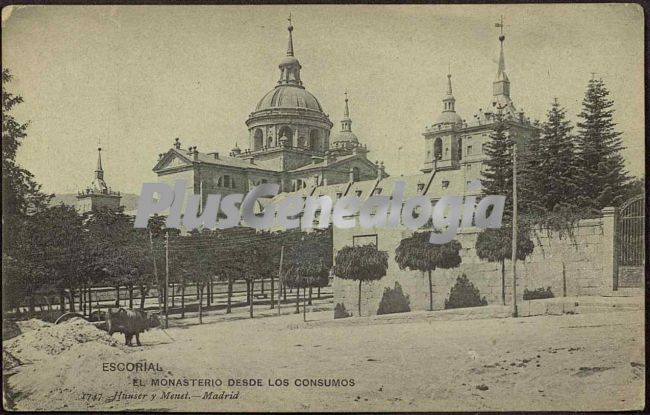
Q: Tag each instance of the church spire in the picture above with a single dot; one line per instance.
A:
(290, 66)
(449, 102)
(501, 85)
(99, 172)
(290, 45)
(346, 122)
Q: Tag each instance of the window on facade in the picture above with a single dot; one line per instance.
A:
(358, 193)
(356, 174)
(469, 150)
(445, 184)
(460, 148)
(220, 182)
(314, 140)
(437, 148)
(483, 148)
(258, 140)
(469, 167)
(420, 187)
(226, 181)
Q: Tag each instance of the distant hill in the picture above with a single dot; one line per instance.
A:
(129, 200)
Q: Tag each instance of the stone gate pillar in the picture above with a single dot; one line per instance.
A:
(609, 253)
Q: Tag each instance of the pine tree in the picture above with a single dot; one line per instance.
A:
(549, 187)
(495, 245)
(602, 178)
(497, 176)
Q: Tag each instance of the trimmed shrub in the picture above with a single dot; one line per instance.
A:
(340, 311)
(394, 301)
(538, 294)
(464, 294)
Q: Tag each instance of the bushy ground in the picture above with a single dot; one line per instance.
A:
(394, 301)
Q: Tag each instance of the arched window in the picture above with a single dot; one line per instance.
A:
(258, 140)
(301, 142)
(269, 141)
(314, 141)
(287, 132)
(437, 148)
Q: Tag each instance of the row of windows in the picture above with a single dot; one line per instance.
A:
(438, 150)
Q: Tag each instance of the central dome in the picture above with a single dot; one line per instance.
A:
(449, 117)
(288, 96)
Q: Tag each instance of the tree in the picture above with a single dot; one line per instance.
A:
(361, 263)
(497, 176)
(59, 243)
(417, 253)
(549, 174)
(307, 261)
(636, 187)
(121, 252)
(495, 245)
(24, 270)
(464, 294)
(602, 178)
(198, 264)
(21, 195)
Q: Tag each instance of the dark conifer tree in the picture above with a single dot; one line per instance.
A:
(497, 176)
(495, 245)
(602, 178)
(550, 173)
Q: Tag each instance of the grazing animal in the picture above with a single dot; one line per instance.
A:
(130, 322)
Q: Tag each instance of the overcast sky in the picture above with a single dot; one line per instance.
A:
(138, 76)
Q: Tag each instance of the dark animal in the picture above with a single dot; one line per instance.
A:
(97, 315)
(130, 322)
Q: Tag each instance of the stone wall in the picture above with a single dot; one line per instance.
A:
(581, 265)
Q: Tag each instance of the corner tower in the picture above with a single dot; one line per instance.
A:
(98, 195)
(345, 142)
(442, 145)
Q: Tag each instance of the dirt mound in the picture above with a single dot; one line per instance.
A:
(51, 340)
(9, 329)
(9, 361)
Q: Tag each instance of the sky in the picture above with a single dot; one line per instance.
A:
(136, 77)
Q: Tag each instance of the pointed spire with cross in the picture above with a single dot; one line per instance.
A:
(290, 66)
(99, 172)
(290, 45)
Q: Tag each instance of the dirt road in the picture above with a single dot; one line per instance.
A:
(569, 362)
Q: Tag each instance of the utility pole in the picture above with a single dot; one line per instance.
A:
(280, 280)
(166, 277)
(155, 272)
(514, 230)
